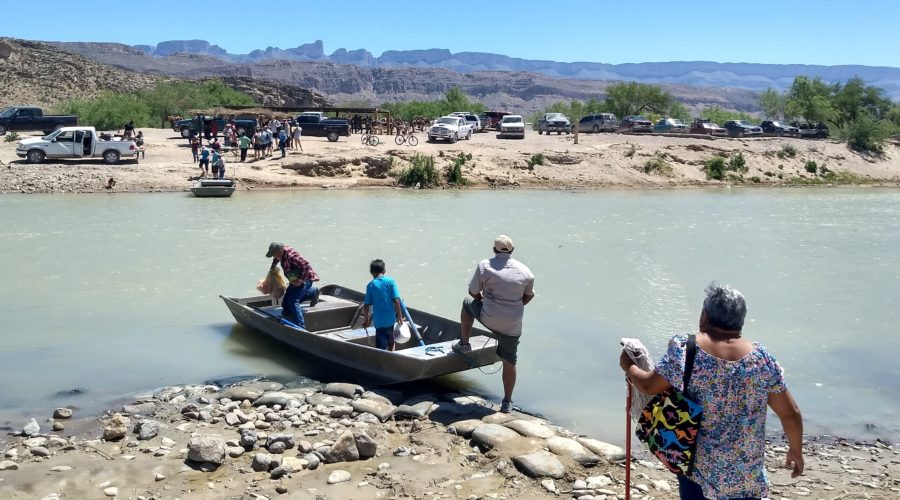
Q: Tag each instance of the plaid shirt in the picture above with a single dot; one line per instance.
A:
(296, 267)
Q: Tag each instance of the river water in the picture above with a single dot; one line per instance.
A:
(106, 295)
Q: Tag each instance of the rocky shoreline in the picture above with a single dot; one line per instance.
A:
(261, 439)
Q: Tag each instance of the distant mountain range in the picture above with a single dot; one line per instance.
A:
(696, 73)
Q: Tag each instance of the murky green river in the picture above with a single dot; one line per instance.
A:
(117, 294)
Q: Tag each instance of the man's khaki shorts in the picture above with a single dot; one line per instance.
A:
(507, 345)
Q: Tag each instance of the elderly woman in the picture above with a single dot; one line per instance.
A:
(734, 380)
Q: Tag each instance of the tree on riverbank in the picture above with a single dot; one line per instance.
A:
(454, 100)
(147, 108)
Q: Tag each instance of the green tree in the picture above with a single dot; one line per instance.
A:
(772, 103)
(718, 115)
(809, 99)
(854, 98)
(454, 100)
(634, 98)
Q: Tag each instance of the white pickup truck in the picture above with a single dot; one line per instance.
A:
(75, 142)
(451, 128)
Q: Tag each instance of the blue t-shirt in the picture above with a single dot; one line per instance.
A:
(380, 294)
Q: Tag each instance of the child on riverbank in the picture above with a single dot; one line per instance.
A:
(383, 301)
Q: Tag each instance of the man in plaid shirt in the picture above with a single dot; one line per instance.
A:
(300, 277)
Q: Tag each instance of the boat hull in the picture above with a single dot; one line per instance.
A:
(331, 340)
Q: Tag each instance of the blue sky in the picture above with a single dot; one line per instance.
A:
(763, 31)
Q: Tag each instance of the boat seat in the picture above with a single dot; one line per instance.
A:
(443, 348)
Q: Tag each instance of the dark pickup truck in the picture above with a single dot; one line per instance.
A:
(184, 127)
(30, 118)
(316, 125)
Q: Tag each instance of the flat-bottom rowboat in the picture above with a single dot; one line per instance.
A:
(213, 188)
(334, 333)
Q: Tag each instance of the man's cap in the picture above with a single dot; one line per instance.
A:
(503, 243)
(274, 248)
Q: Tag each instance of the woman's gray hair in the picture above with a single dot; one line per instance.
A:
(724, 307)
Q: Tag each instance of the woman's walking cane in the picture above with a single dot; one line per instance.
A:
(628, 442)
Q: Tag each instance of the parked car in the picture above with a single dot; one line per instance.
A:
(598, 123)
(706, 127)
(30, 118)
(493, 117)
(450, 128)
(808, 130)
(635, 123)
(474, 121)
(670, 125)
(554, 122)
(186, 126)
(512, 126)
(317, 125)
(74, 142)
(741, 128)
(778, 129)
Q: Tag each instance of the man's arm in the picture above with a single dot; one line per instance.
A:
(366, 318)
(398, 311)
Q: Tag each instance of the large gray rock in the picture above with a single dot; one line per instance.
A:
(207, 448)
(261, 462)
(278, 398)
(250, 390)
(610, 451)
(418, 410)
(326, 400)
(540, 464)
(338, 476)
(62, 413)
(566, 447)
(340, 411)
(374, 396)
(142, 408)
(343, 450)
(287, 439)
(465, 428)
(31, 428)
(529, 428)
(147, 429)
(493, 435)
(116, 428)
(381, 408)
(312, 461)
(350, 391)
(365, 445)
(248, 439)
(9, 465)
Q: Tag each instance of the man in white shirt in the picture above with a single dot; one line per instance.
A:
(499, 291)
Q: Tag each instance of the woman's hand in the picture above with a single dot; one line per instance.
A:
(625, 361)
(794, 461)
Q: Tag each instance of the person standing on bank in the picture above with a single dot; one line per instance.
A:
(383, 302)
(300, 277)
(734, 380)
(500, 289)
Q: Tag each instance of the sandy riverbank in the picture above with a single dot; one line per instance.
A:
(598, 161)
(262, 440)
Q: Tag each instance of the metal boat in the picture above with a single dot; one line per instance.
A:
(334, 333)
(213, 188)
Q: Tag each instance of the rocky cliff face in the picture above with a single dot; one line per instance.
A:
(695, 73)
(43, 75)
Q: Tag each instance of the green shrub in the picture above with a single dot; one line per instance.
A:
(787, 151)
(11, 137)
(811, 167)
(867, 135)
(737, 163)
(756, 179)
(421, 173)
(715, 168)
(657, 165)
(536, 159)
(454, 100)
(454, 174)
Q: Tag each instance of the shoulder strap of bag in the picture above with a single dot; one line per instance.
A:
(689, 360)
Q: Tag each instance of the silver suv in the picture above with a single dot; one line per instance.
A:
(603, 122)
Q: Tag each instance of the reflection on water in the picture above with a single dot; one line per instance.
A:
(110, 295)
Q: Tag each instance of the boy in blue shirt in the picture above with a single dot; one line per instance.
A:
(383, 301)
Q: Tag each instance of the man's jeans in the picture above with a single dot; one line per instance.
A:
(293, 296)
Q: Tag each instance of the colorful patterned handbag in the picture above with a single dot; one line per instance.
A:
(670, 422)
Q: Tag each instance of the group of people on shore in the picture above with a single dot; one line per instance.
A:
(263, 141)
(735, 380)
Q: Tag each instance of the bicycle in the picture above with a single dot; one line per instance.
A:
(406, 137)
(370, 139)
